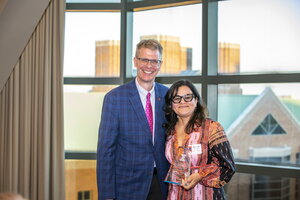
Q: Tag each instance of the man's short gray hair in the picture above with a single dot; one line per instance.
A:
(149, 44)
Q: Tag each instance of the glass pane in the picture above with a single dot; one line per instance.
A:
(87, 195)
(92, 44)
(82, 114)
(179, 29)
(257, 187)
(249, 113)
(259, 36)
(80, 196)
(81, 179)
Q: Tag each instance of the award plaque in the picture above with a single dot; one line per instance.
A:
(181, 168)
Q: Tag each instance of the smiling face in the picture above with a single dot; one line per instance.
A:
(146, 73)
(184, 109)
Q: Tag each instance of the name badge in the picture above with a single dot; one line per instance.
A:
(196, 148)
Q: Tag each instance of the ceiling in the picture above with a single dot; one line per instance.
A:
(18, 19)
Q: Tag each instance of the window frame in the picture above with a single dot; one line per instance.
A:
(209, 78)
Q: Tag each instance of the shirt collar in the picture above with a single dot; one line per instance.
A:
(141, 90)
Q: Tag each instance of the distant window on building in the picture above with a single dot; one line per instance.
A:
(298, 158)
(284, 159)
(297, 191)
(84, 195)
(270, 187)
(269, 126)
(267, 187)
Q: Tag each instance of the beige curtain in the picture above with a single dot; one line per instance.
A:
(31, 114)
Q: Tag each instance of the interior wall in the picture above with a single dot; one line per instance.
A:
(18, 20)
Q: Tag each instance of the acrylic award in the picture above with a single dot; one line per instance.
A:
(180, 168)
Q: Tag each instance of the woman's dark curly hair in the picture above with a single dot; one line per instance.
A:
(200, 112)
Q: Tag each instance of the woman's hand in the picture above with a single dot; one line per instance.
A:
(191, 181)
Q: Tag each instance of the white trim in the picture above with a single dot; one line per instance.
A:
(270, 152)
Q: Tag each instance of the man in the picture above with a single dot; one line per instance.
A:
(131, 161)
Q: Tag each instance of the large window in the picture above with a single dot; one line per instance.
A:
(242, 56)
(261, 36)
(92, 44)
(259, 187)
(82, 110)
(179, 31)
(261, 118)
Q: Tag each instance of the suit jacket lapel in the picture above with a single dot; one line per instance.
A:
(137, 106)
(159, 102)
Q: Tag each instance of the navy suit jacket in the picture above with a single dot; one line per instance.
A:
(126, 154)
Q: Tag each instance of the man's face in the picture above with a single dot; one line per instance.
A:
(147, 64)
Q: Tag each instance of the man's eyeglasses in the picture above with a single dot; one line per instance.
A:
(145, 61)
(186, 98)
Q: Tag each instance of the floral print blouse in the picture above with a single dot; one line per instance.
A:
(206, 151)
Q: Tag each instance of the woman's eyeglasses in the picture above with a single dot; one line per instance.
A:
(186, 98)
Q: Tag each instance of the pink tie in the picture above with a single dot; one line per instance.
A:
(149, 113)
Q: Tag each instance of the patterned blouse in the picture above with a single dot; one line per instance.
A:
(206, 151)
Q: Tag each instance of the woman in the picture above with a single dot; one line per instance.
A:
(197, 147)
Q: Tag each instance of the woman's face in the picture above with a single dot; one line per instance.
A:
(184, 103)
